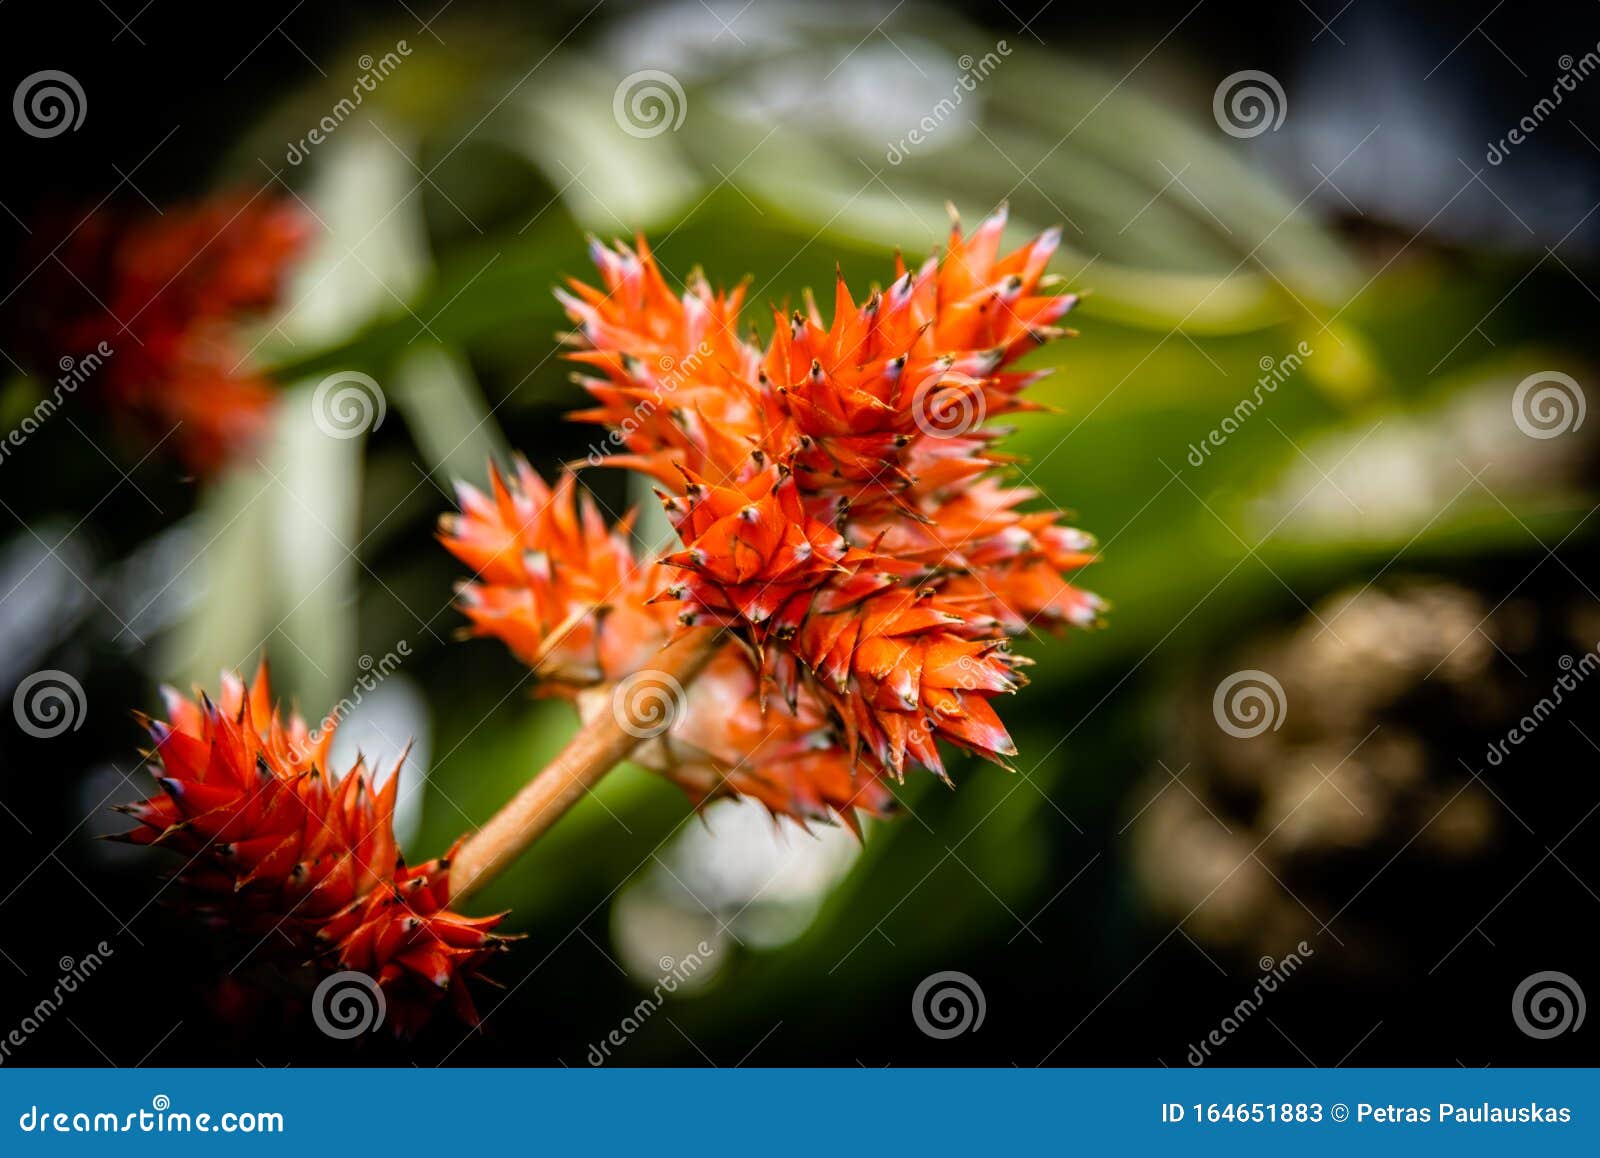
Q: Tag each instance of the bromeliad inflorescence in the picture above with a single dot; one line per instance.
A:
(280, 851)
(852, 568)
(571, 600)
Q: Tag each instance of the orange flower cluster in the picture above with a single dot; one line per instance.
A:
(273, 844)
(568, 596)
(157, 301)
(837, 497)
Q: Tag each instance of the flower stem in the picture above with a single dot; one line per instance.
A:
(600, 745)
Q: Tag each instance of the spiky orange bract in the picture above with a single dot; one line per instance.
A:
(676, 371)
(835, 491)
(569, 597)
(164, 294)
(279, 850)
(557, 585)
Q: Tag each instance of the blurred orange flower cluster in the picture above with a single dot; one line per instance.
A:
(157, 300)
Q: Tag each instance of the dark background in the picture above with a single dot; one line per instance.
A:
(1086, 899)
